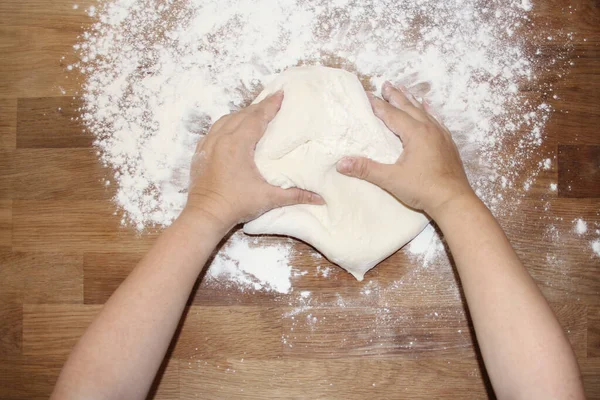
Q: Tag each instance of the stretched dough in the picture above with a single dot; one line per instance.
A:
(326, 115)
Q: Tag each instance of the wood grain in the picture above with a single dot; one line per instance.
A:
(8, 124)
(593, 336)
(67, 174)
(33, 377)
(402, 333)
(5, 224)
(42, 278)
(61, 113)
(579, 171)
(85, 226)
(103, 273)
(223, 332)
(331, 379)
(6, 162)
(53, 329)
(11, 329)
(590, 369)
(561, 261)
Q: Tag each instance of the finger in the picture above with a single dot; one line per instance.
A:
(394, 96)
(431, 112)
(258, 116)
(417, 102)
(268, 108)
(292, 196)
(398, 121)
(402, 99)
(365, 169)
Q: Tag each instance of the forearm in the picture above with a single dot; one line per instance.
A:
(524, 348)
(123, 348)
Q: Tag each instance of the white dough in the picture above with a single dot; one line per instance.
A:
(325, 116)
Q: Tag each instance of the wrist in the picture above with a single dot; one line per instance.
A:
(459, 202)
(204, 218)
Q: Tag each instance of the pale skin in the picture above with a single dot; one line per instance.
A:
(525, 351)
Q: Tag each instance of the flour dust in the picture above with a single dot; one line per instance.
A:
(157, 74)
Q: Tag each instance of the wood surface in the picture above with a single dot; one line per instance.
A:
(63, 252)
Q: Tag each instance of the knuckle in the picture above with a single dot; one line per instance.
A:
(301, 196)
(362, 168)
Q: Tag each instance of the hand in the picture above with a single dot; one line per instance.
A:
(224, 180)
(429, 172)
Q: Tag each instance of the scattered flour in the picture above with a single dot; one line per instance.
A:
(547, 164)
(252, 267)
(580, 226)
(158, 74)
(324, 271)
(596, 247)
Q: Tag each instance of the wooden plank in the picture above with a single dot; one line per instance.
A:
(8, 124)
(577, 88)
(573, 319)
(559, 259)
(83, 226)
(399, 332)
(34, 377)
(419, 281)
(32, 64)
(104, 272)
(42, 278)
(579, 171)
(5, 224)
(207, 332)
(53, 329)
(377, 333)
(579, 16)
(11, 328)
(60, 174)
(331, 379)
(56, 14)
(576, 117)
(6, 163)
(50, 122)
(590, 370)
(223, 332)
(593, 333)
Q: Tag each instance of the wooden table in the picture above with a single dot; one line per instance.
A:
(63, 252)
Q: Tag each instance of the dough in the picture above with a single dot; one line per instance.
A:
(325, 116)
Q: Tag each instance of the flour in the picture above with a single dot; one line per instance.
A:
(157, 74)
(580, 226)
(252, 267)
(596, 247)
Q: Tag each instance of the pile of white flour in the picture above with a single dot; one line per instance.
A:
(158, 73)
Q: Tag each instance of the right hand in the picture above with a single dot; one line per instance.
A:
(429, 173)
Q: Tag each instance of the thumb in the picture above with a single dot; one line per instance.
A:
(292, 196)
(365, 169)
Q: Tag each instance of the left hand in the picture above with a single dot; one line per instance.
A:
(224, 180)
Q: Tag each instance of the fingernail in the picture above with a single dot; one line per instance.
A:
(344, 166)
(387, 85)
(316, 199)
